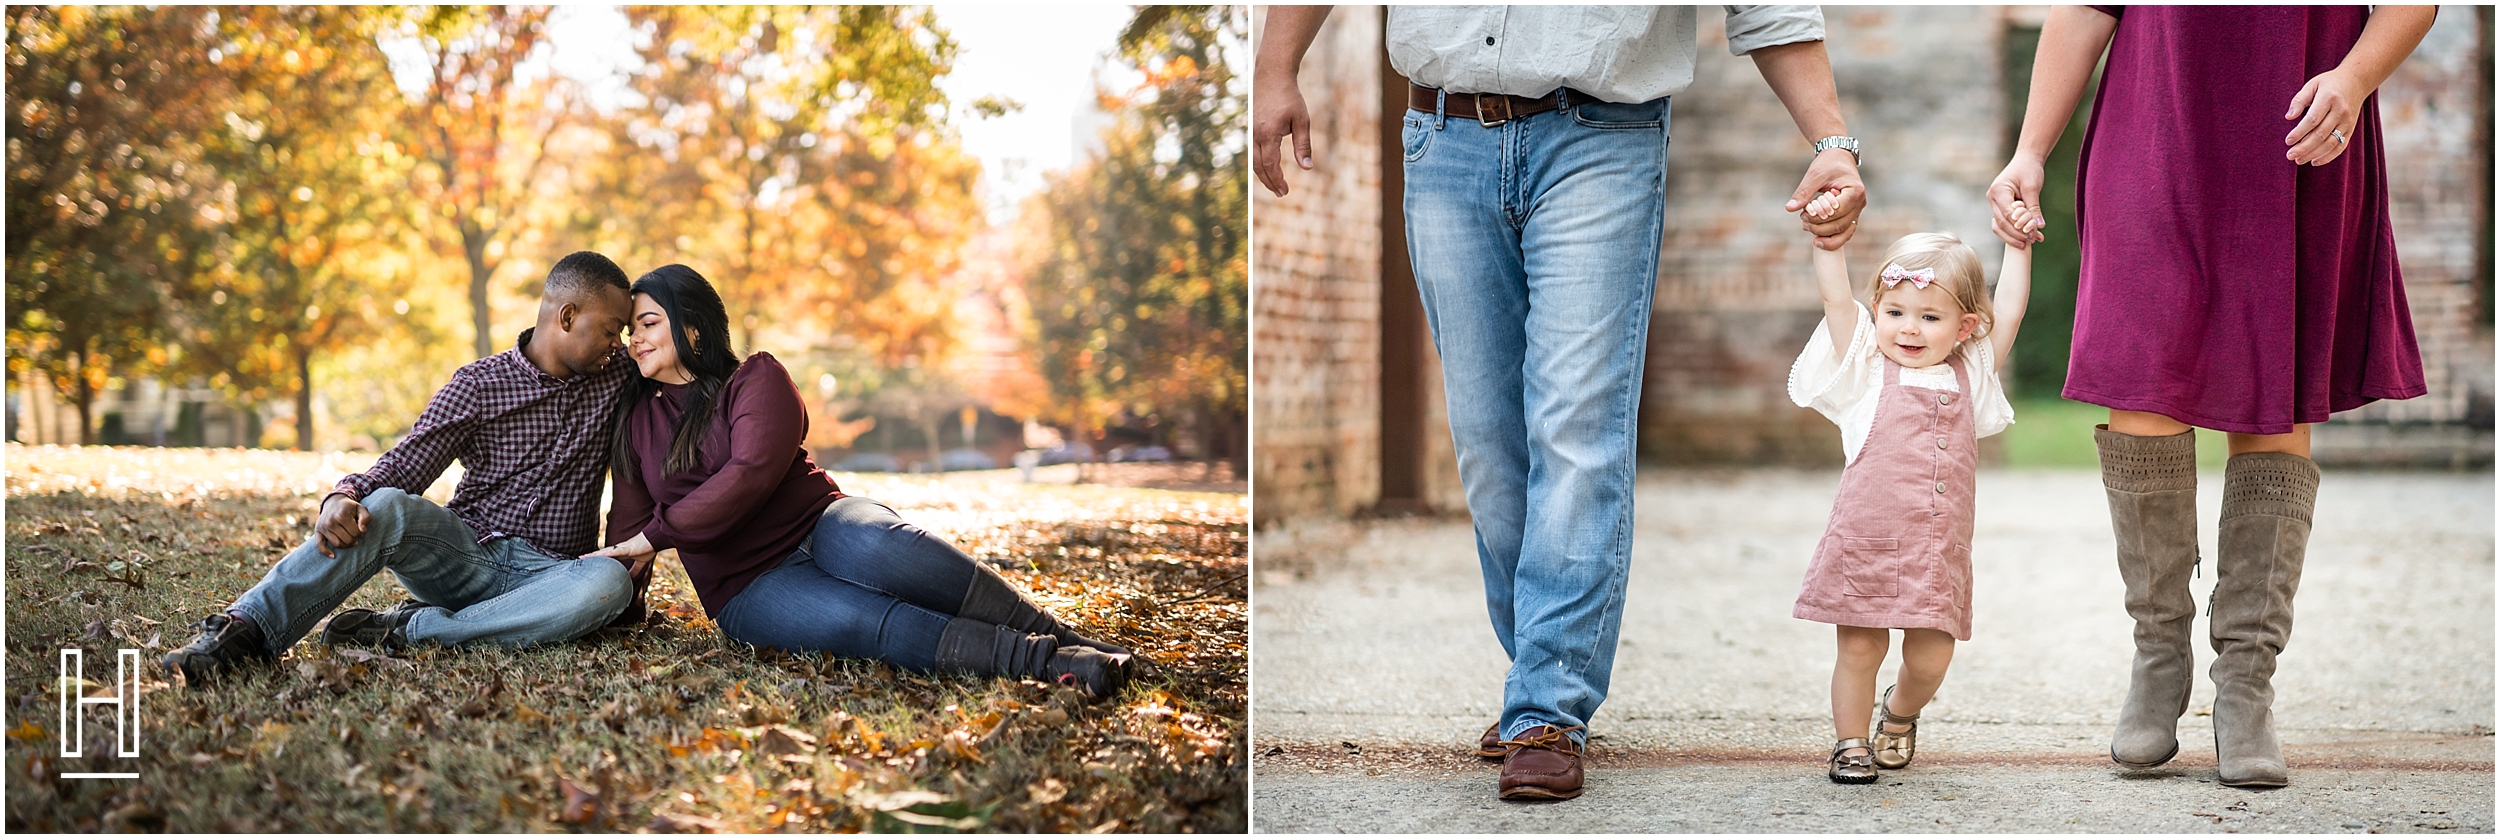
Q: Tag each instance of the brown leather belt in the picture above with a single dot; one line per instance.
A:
(1488, 109)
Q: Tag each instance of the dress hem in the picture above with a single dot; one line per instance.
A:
(1885, 621)
(2335, 405)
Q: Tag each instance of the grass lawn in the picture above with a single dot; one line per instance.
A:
(2057, 434)
(664, 727)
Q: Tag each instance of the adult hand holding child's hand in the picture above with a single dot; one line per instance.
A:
(1825, 207)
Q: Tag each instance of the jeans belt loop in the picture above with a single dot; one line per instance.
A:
(1483, 115)
(1440, 108)
(1562, 99)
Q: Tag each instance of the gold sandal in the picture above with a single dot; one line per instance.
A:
(1893, 751)
(1852, 769)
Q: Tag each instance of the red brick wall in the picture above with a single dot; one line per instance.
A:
(1315, 290)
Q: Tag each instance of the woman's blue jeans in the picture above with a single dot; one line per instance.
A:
(1535, 247)
(865, 584)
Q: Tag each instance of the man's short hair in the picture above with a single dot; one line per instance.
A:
(582, 272)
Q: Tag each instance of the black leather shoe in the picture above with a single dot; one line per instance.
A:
(224, 641)
(386, 629)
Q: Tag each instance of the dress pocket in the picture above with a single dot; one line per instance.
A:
(1870, 567)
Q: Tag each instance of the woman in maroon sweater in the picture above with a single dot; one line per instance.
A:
(710, 461)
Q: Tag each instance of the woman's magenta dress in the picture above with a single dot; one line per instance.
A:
(2222, 285)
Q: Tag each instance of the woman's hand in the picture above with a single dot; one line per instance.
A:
(2328, 108)
(635, 553)
(2013, 202)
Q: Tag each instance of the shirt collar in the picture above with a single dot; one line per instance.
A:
(520, 358)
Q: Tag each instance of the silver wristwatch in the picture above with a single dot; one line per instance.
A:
(1840, 142)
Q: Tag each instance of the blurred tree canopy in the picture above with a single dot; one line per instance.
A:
(1136, 259)
(104, 181)
(273, 202)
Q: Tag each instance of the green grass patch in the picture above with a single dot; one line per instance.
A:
(2056, 433)
(662, 727)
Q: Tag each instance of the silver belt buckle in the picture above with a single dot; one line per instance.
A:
(1482, 99)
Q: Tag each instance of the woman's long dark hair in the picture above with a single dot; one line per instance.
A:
(691, 304)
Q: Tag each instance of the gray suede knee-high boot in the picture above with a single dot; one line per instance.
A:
(991, 598)
(2267, 499)
(2151, 483)
(987, 649)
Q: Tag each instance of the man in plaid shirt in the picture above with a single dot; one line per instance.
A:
(502, 564)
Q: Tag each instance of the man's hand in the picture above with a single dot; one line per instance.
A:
(1800, 74)
(1276, 87)
(2014, 201)
(1833, 177)
(1280, 112)
(635, 553)
(340, 524)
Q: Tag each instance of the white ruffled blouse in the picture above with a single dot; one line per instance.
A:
(1845, 388)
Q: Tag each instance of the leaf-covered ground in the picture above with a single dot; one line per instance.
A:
(666, 727)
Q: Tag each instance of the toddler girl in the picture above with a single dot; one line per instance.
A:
(1912, 382)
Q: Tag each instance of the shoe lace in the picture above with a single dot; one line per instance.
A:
(1544, 737)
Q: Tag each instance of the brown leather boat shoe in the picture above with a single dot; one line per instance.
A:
(1490, 745)
(1543, 764)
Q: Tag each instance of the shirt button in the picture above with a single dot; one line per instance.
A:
(1939, 487)
(1939, 442)
(1488, 40)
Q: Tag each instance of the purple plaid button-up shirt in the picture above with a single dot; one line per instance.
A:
(534, 448)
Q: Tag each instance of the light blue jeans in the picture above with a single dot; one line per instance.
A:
(502, 592)
(1535, 246)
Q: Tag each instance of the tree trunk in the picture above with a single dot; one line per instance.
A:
(473, 245)
(86, 396)
(303, 400)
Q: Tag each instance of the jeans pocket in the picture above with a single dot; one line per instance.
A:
(1870, 567)
(1416, 133)
(1614, 117)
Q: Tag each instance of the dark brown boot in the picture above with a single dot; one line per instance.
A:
(2267, 500)
(2151, 483)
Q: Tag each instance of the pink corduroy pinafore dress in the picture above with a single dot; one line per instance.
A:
(1897, 552)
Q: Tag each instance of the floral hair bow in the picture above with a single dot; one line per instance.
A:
(1921, 278)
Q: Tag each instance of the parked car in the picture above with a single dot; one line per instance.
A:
(867, 462)
(957, 460)
(1141, 454)
(1068, 452)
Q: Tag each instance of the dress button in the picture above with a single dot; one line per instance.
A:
(1946, 399)
(1939, 486)
(1939, 442)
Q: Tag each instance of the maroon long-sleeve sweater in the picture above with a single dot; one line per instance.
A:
(751, 501)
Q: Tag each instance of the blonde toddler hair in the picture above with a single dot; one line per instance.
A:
(1956, 267)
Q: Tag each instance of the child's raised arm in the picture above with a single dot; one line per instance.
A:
(1831, 278)
(2013, 292)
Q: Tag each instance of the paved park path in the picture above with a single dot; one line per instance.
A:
(1373, 669)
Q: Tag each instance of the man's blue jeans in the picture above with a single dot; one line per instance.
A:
(1535, 246)
(502, 592)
